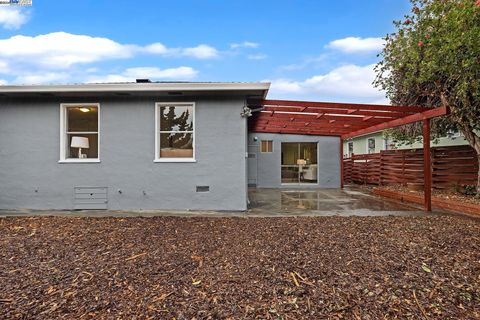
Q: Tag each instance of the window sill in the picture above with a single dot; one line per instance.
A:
(175, 160)
(79, 161)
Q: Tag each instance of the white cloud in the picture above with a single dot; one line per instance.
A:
(61, 49)
(12, 18)
(153, 73)
(259, 56)
(201, 51)
(345, 82)
(245, 44)
(357, 45)
(3, 82)
(156, 48)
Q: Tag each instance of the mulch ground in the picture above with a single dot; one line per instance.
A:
(237, 268)
(447, 194)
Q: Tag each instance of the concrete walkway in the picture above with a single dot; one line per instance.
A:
(268, 203)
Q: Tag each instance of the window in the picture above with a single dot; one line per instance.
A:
(350, 149)
(175, 133)
(79, 136)
(267, 146)
(371, 145)
(299, 162)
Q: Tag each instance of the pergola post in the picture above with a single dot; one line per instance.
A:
(427, 170)
(341, 164)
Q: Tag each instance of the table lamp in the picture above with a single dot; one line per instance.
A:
(79, 142)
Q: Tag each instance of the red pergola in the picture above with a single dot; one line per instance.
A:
(344, 120)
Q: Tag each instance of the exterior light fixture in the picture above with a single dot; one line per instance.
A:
(247, 112)
(84, 109)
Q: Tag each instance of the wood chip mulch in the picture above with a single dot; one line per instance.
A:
(446, 194)
(237, 268)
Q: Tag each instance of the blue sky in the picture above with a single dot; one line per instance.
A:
(309, 50)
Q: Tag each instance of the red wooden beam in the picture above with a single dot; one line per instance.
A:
(289, 103)
(432, 113)
(427, 170)
(296, 131)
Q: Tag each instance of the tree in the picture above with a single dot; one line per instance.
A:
(433, 59)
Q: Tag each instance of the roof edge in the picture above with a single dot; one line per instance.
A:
(138, 87)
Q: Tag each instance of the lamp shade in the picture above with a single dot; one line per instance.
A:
(79, 142)
(301, 162)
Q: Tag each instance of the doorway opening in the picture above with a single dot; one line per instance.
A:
(299, 163)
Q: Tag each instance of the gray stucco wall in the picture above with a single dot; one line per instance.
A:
(31, 177)
(269, 164)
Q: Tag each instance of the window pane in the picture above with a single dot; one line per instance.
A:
(308, 152)
(176, 145)
(290, 174)
(87, 142)
(266, 146)
(82, 119)
(371, 143)
(176, 118)
(289, 153)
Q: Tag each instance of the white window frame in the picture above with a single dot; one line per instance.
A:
(158, 131)
(63, 133)
(267, 146)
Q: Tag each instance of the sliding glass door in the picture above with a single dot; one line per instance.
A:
(299, 162)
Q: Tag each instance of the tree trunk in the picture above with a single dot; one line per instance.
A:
(474, 141)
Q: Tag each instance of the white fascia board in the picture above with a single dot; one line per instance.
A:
(137, 87)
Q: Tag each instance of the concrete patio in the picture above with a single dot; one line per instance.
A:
(351, 201)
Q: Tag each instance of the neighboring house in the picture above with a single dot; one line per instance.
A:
(374, 143)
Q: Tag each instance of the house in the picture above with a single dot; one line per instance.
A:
(125, 146)
(376, 142)
(172, 145)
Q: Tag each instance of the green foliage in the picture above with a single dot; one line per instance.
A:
(467, 190)
(433, 59)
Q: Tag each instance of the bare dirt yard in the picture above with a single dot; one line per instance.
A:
(240, 268)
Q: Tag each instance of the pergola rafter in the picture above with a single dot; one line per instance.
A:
(344, 120)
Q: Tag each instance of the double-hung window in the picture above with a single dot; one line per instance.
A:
(175, 132)
(79, 132)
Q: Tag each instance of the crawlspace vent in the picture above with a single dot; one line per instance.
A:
(203, 188)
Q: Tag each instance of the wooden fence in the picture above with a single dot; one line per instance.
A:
(457, 165)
